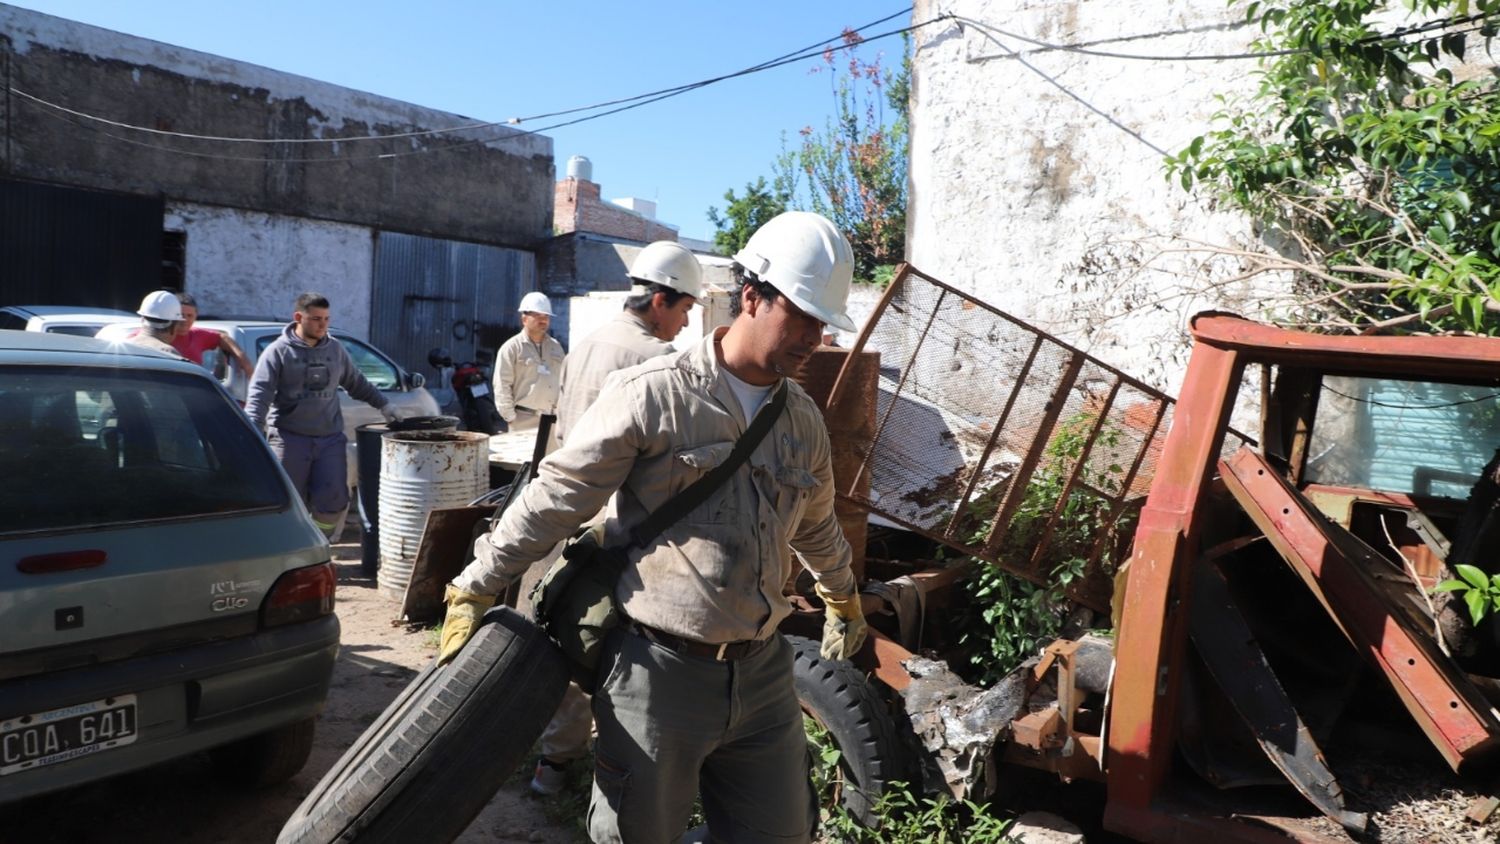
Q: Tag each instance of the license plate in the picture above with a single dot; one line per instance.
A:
(46, 738)
(479, 390)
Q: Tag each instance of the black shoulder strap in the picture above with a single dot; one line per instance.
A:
(698, 491)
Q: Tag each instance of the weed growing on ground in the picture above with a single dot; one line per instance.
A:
(900, 817)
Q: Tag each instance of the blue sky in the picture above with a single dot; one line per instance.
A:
(495, 60)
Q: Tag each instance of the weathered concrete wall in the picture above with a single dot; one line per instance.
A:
(497, 188)
(250, 264)
(1037, 179)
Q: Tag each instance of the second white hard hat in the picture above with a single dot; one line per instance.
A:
(808, 260)
(536, 302)
(669, 264)
(162, 305)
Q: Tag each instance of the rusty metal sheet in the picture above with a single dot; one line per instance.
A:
(445, 549)
(1335, 565)
(1225, 642)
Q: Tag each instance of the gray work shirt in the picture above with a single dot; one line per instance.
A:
(717, 574)
(621, 343)
(297, 385)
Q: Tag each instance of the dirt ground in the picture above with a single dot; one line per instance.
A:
(180, 801)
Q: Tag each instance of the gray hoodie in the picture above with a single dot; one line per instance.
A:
(298, 384)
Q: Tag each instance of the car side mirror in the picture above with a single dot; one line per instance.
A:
(415, 380)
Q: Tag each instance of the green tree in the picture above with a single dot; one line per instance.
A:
(853, 170)
(744, 214)
(1371, 164)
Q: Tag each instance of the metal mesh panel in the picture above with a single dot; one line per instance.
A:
(1003, 442)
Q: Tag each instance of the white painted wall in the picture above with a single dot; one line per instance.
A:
(1037, 179)
(246, 263)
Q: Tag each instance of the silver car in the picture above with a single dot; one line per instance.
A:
(63, 319)
(404, 389)
(162, 589)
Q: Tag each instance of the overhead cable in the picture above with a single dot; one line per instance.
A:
(650, 96)
(1394, 35)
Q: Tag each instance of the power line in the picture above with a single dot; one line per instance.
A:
(1397, 34)
(803, 53)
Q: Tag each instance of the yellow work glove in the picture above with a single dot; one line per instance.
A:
(843, 624)
(464, 612)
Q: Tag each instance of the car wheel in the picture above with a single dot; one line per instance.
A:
(265, 759)
(449, 740)
(847, 710)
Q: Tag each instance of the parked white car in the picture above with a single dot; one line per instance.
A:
(63, 319)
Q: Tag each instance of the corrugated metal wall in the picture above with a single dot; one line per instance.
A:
(65, 246)
(430, 292)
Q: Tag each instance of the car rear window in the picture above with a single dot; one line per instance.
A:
(87, 446)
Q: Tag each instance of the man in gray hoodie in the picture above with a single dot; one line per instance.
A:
(296, 382)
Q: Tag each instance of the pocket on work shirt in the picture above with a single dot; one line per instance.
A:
(794, 487)
(689, 465)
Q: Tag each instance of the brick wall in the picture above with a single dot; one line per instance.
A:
(578, 208)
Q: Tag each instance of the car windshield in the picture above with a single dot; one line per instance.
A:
(376, 369)
(88, 446)
(1403, 436)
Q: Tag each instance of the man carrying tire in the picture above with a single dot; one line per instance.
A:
(695, 691)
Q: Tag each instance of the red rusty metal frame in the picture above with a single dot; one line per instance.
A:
(1335, 565)
(1153, 631)
(1430, 358)
(1015, 490)
(1075, 476)
(994, 439)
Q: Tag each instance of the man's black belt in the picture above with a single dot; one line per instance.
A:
(726, 652)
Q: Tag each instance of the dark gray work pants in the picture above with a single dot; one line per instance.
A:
(673, 726)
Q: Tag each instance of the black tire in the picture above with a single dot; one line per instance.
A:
(836, 694)
(265, 759)
(442, 749)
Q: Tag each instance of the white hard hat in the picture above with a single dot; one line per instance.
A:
(161, 305)
(535, 302)
(804, 256)
(669, 264)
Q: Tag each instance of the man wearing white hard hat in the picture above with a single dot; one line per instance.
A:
(666, 281)
(161, 316)
(528, 367)
(694, 694)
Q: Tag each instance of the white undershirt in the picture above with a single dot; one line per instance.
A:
(750, 396)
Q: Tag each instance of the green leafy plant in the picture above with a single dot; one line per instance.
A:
(908, 819)
(1010, 618)
(746, 213)
(901, 817)
(1371, 167)
(1480, 591)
